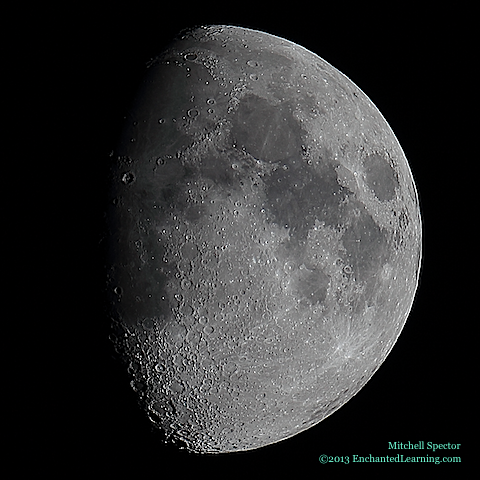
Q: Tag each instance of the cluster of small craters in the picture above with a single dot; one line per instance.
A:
(243, 325)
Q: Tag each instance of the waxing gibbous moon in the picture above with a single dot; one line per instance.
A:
(264, 240)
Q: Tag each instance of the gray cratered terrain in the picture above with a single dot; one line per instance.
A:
(264, 240)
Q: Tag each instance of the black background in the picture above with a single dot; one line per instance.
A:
(414, 65)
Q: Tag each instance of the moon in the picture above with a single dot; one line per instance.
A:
(264, 240)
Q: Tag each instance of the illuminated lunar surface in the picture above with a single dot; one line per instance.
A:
(264, 240)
